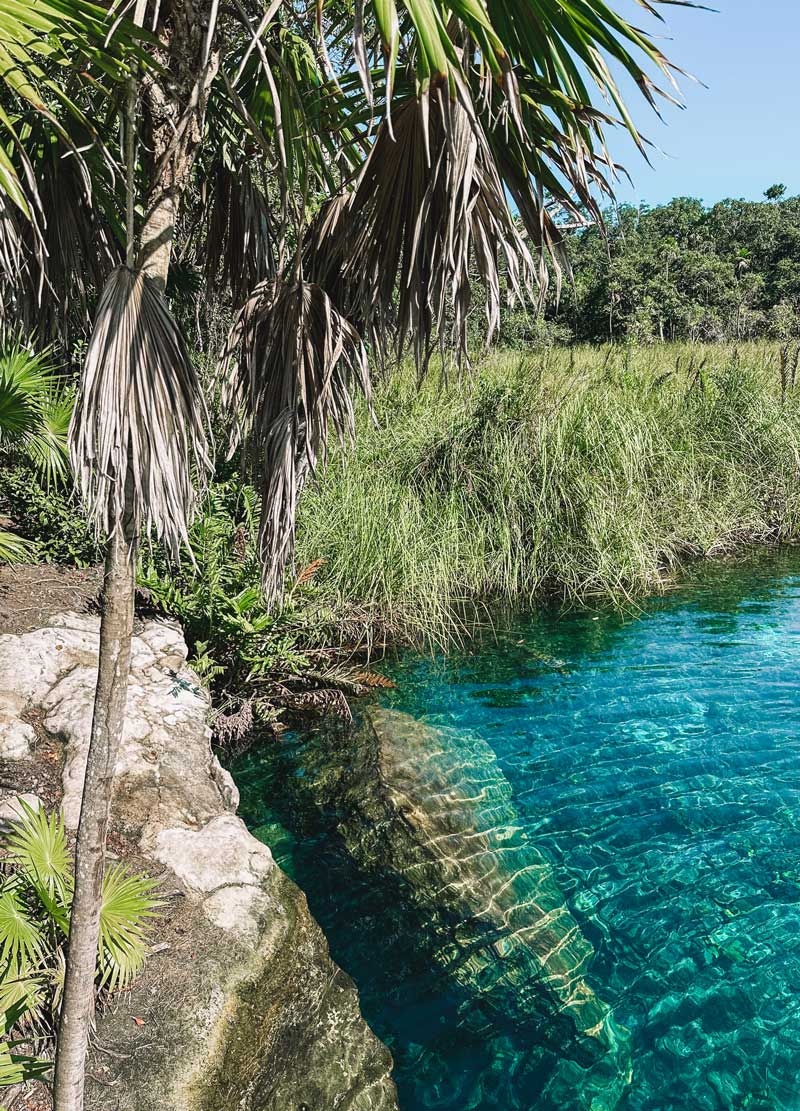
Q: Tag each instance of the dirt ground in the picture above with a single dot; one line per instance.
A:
(30, 594)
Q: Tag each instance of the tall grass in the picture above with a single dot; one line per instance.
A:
(579, 473)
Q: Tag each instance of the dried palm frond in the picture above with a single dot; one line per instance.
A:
(428, 205)
(239, 237)
(298, 363)
(140, 414)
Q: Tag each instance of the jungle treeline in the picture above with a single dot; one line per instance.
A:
(679, 271)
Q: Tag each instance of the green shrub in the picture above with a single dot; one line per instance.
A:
(215, 594)
(49, 518)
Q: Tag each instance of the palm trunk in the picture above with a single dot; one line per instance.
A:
(172, 163)
(77, 1009)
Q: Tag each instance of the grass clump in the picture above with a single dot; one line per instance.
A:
(580, 474)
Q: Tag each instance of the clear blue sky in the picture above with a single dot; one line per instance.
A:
(741, 133)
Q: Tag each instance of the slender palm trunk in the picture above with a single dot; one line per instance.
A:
(169, 174)
(77, 1010)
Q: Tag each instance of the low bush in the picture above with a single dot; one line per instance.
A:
(48, 517)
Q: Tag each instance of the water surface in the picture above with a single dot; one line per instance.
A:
(654, 759)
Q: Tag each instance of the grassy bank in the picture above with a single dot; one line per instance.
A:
(581, 474)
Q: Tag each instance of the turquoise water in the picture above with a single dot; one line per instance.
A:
(654, 761)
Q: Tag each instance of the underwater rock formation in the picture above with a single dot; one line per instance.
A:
(433, 807)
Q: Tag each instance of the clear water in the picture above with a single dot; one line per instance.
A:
(655, 761)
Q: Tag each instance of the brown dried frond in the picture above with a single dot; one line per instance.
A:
(140, 412)
(299, 361)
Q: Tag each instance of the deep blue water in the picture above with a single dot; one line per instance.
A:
(654, 758)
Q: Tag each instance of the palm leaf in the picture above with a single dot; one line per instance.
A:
(13, 549)
(23, 992)
(21, 937)
(37, 848)
(140, 412)
(429, 204)
(240, 239)
(298, 363)
(128, 903)
(34, 408)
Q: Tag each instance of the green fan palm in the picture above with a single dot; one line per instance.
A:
(35, 409)
(13, 549)
(35, 901)
(17, 1067)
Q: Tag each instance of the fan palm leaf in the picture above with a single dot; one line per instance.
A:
(139, 415)
(34, 408)
(37, 848)
(22, 939)
(240, 238)
(128, 904)
(429, 204)
(16, 1067)
(13, 549)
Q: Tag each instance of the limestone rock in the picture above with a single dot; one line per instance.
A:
(251, 1012)
(17, 739)
(13, 808)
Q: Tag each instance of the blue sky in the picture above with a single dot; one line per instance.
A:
(741, 133)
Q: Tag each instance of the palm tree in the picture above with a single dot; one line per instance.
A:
(334, 171)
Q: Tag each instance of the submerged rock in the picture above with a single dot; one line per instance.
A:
(240, 1006)
(433, 806)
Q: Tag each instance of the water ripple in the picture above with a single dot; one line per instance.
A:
(655, 762)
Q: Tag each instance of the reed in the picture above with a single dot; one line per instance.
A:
(581, 473)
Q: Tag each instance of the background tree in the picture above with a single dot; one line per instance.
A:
(695, 272)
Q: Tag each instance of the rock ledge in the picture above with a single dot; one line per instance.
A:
(240, 1007)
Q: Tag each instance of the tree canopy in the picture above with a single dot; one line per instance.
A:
(684, 271)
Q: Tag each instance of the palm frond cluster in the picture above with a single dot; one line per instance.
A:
(362, 175)
(299, 362)
(139, 420)
(35, 900)
(35, 409)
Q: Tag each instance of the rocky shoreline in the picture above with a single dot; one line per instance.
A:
(240, 1005)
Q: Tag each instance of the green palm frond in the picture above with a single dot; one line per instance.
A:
(22, 939)
(35, 408)
(24, 991)
(25, 378)
(128, 905)
(13, 549)
(15, 1067)
(18, 1068)
(37, 849)
(48, 450)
